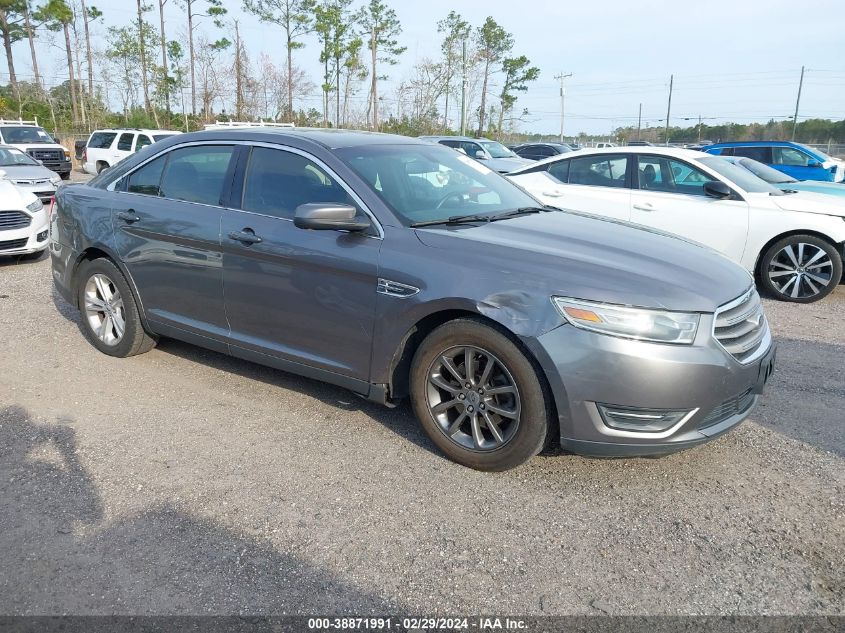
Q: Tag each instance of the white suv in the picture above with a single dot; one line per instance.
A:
(106, 148)
(24, 224)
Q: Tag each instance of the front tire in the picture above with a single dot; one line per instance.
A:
(110, 318)
(65, 175)
(800, 269)
(478, 397)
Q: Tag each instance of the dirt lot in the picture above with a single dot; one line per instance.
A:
(183, 481)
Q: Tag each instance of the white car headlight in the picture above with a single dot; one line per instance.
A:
(35, 206)
(636, 323)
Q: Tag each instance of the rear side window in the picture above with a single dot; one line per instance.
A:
(124, 143)
(761, 154)
(789, 156)
(277, 182)
(143, 141)
(559, 170)
(607, 170)
(197, 174)
(101, 140)
(147, 179)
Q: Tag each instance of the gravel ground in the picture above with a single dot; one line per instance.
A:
(183, 481)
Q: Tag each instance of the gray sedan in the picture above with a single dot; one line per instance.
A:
(397, 268)
(28, 174)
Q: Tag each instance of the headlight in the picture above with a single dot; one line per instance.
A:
(34, 207)
(67, 154)
(636, 323)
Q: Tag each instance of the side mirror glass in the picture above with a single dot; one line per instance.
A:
(717, 189)
(330, 216)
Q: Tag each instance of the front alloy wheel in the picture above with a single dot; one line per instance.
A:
(473, 398)
(801, 269)
(104, 309)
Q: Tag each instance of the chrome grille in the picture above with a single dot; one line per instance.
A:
(729, 408)
(741, 327)
(46, 154)
(12, 244)
(14, 220)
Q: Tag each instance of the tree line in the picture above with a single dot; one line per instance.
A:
(143, 67)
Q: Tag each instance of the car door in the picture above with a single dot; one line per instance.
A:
(123, 147)
(798, 164)
(299, 296)
(669, 195)
(598, 184)
(167, 229)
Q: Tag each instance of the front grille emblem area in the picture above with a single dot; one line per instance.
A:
(395, 289)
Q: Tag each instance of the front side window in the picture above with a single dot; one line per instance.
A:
(11, 156)
(147, 179)
(789, 156)
(101, 140)
(124, 143)
(426, 183)
(277, 182)
(197, 174)
(143, 141)
(607, 170)
(658, 173)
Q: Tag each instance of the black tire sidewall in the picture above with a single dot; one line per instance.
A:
(132, 331)
(762, 268)
(535, 410)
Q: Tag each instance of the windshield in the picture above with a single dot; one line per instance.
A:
(424, 183)
(11, 156)
(765, 172)
(742, 177)
(497, 150)
(25, 134)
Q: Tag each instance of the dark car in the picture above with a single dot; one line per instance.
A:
(394, 267)
(539, 151)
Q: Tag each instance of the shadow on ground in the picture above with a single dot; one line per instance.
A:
(62, 555)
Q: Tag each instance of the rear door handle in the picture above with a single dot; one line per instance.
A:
(128, 216)
(644, 207)
(247, 236)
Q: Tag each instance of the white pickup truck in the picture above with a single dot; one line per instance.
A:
(31, 138)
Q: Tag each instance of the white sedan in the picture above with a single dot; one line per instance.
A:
(791, 242)
(24, 223)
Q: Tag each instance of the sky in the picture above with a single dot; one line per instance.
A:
(734, 60)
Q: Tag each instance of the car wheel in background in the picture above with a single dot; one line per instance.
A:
(110, 318)
(800, 268)
(101, 165)
(478, 397)
(65, 175)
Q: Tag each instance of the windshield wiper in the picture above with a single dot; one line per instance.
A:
(471, 219)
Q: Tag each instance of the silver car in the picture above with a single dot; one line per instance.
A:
(493, 154)
(28, 174)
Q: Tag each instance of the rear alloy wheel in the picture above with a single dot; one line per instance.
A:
(478, 397)
(110, 318)
(800, 269)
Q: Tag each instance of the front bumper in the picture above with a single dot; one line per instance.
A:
(58, 166)
(586, 369)
(30, 239)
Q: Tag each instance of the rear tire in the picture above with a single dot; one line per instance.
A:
(110, 318)
(800, 269)
(101, 165)
(492, 417)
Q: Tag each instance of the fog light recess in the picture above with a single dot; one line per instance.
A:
(641, 420)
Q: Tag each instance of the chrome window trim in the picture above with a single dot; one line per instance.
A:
(284, 148)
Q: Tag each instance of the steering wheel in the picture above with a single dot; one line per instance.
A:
(460, 197)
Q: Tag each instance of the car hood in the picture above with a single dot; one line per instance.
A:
(817, 186)
(27, 172)
(810, 202)
(587, 257)
(504, 165)
(14, 198)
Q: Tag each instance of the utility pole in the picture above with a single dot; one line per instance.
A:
(464, 87)
(669, 107)
(699, 128)
(639, 121)
(797, 101)
(561, 77)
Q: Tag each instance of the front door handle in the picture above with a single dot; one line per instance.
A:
(128, 216)
(247, 236)
(644, 207)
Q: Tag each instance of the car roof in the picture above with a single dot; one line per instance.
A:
(673, 152)
(753, 143)
(456, 138)
(136, 129)
(327, 137)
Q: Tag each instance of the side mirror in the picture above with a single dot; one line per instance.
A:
(479, 154)
(813, 163)
(329, 216)
(717, 189)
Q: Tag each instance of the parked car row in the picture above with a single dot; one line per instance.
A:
(396, 268)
